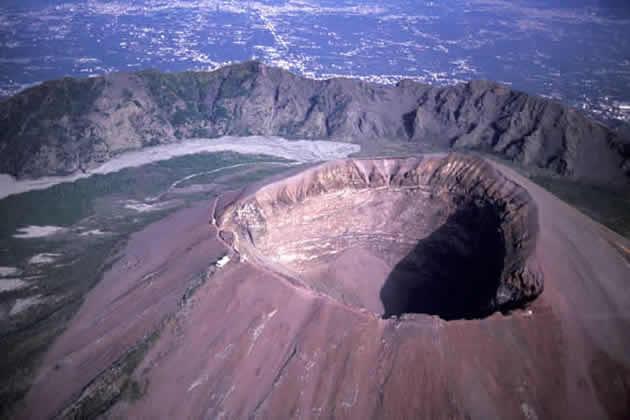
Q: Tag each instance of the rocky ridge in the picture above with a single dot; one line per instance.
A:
(69, 125)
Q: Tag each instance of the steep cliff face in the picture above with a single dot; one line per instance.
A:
(67, 125)
(530, 130)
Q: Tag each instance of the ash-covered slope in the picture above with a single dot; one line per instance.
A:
(250, 340)
(67, 125)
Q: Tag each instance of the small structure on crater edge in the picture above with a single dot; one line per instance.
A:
(222, 262)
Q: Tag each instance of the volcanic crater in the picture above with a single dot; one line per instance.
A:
(443, 235)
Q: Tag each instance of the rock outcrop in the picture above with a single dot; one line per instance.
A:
(68, 125)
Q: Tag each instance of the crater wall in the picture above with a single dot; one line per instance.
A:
(443, 235)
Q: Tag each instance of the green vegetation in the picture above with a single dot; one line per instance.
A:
(609, 207)
(220, 113)
(185, 115)
(25, 339)
(170, 90)
(189, 87)
(110, 385)
(60, 112)
(233, 88)
(71, 97)
(127, 94)
(180, 117)
(94, 203)
(241, 175)
(202, 133)
(27, 124)
(134, 390)
(160, 88)
(65, 204)
(236, 84)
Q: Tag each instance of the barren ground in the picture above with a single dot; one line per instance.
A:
(267, 337)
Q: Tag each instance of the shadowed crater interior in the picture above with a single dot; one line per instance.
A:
(439, 235)
(454, 272)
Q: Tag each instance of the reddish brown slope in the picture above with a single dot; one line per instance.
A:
(253, 343)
